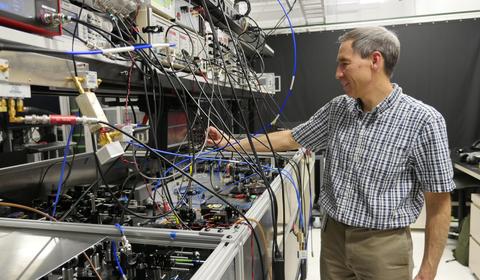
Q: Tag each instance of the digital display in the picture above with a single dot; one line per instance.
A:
(22, 8)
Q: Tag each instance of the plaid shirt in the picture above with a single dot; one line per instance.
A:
(379, 163)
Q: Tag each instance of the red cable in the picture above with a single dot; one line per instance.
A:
(145, 119)
(60, 119)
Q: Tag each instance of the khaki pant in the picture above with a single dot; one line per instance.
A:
(360, 253)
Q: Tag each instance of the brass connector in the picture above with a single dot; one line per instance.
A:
(20, 107)
(3, 105)
(108, 137)
(300, 240)
(78, 83)
(12, 113)
(4, 67)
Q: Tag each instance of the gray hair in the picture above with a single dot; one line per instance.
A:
(366, 40)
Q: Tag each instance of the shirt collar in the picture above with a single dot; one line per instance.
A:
(385, 104)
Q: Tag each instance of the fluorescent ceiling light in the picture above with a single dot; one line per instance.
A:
(371, 1)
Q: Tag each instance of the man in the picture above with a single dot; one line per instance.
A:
(386, 153)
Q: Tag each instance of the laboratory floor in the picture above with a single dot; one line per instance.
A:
(448, 269)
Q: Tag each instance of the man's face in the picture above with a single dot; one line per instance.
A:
(353, 71)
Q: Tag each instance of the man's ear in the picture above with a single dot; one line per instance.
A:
(376, 59)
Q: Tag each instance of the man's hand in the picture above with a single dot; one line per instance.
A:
(216, 137)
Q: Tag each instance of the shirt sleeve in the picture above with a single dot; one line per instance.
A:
(313, 133)
(432, 162)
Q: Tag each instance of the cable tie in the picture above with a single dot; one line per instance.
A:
(292, 82)
(173, 235)
(275, 119)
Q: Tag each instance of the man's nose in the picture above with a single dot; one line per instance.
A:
(338, 73)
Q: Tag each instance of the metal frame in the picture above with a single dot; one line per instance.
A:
(231, 257)
(57, 72)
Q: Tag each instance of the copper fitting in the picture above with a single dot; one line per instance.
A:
(20, 107)
(3, 105)
(12, 114)
(11, 108)
(105, 138)
(78, 83)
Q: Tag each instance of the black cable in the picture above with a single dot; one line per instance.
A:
(275, 208)
(103, 33)
(192, 71)
(296, 168)
(73, 39)
(212, 106)
(71, 33)
(133, 111)
(70, 166)
(121, 188)
(87, 190)
(167, 195)
(269, 190)
(100, 31)
(164, 71)
(265, 180)
(233, 146)
(16, 48)
(191, 178)
(115, 20)
(260, 171)
(44, 174)
(180, 83)
(189, 38)
(119, 203)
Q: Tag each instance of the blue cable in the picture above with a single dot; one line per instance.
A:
(190, 157)
(294, 71)
(84, 52)
(120, 228)
(62, 172)
(117, 261)
(167, 171)
(297, 192)
(293, 39)
(286, 173)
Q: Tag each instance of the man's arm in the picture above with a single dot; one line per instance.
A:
(436, 233)
(281, 141)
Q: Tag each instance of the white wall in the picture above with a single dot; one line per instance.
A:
(361, 10)
(425, 7)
